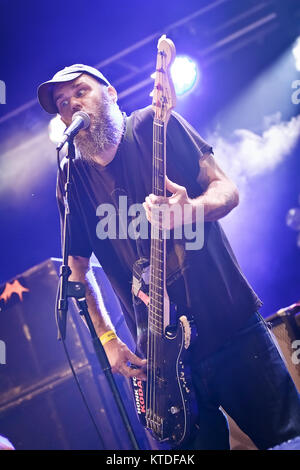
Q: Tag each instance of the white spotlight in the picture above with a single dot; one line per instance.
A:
(56, 129)
(185, 74)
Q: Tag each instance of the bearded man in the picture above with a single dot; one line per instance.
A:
(235, 364)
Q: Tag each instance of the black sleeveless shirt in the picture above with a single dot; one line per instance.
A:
(206, 282)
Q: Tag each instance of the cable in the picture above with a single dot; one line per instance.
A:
(74, 373)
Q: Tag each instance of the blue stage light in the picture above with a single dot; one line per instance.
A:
(185, 74)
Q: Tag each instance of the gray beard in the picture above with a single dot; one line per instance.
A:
(104, 132)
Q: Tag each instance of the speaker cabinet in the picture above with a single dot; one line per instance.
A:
(286, 333)
(40, 404)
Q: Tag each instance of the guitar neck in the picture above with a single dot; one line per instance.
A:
(159, 158)
(158, 241)
(163, 102)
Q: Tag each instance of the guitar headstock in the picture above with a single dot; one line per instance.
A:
(164, 96)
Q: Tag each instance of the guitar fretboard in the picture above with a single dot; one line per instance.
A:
(158, 242)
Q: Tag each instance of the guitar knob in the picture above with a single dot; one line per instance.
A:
(174, 410)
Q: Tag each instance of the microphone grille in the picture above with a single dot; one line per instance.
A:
(85, 117)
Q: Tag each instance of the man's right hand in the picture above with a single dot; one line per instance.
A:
(119, 355)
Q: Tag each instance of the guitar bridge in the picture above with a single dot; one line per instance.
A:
(155, 424)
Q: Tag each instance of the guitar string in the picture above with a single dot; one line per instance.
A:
(153, 229)
(154, 269)
(151, 337)
(160, 243)
(157, 257)
(153, 273)
(163, 183)
(157, 247)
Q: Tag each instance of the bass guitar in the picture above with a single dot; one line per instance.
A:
(164, 403)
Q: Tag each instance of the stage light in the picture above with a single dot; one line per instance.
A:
(56, 129)
(293, 218)
(296, 53)
(185, 74)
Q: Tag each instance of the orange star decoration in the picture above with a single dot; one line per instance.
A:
(13, 288)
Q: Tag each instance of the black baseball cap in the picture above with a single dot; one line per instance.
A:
(45, 90)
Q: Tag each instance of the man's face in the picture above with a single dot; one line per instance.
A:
(100, 102)
(82, 94)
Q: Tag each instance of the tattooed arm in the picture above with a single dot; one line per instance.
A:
(220, 194)
(117, 352)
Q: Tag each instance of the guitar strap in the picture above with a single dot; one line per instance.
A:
(141, 267)
(140, 279)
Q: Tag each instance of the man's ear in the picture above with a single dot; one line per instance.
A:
(112, 93)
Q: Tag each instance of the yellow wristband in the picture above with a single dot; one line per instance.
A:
(108, 336)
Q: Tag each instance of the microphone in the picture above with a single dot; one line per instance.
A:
(80, 120)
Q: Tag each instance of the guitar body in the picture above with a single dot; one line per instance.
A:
(170, 408)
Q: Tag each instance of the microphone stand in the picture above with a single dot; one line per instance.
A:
(77, 290)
